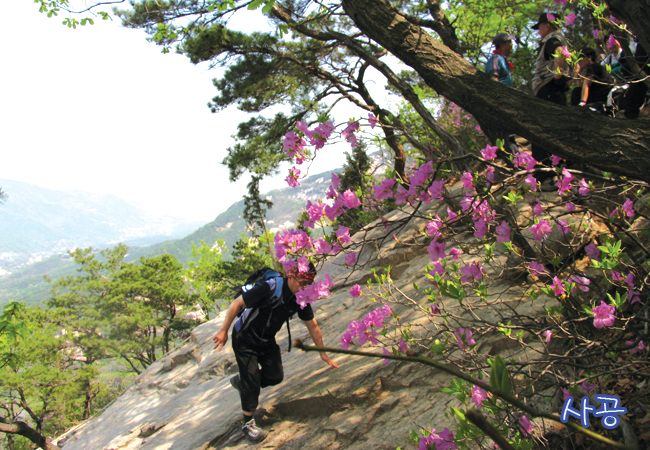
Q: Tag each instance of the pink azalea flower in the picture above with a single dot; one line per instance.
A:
(503, 232)
(532, 182)
(455, 253)
(613, 213)
(481, 229)
(588, 387)
(436, 189)
(451, 215)
(564, 184)
(336, 181)
(434, 225)
(548, 334)
(355, 290)
(385, 351)
(536, 269)
(581, 282)
(563, 225)
(465, 339)
(343, 234)
(350, 199)
(489, 174)
(292, 179)
(468, 180)
(313, 292)
(403, 346)
(566, 393)
(489, 152)
(560, 2)
(537, 208)
(348, 133)
(372, 119)
(616, 276)
(523, 159)
(628, 207)
(471, 271)
(570, 207)
(570, 19)
(322, 247)
(437, 250)
(583, 187)
(604, 315)
(478, 396)
(593, 252)
(596, 33)
(385, 189)
(526, 427)
(611, 41)
(350, 258)
(629, 280)
(558, 289)
(550, 17)
(422, 174)
(434, 309)
(541, 230)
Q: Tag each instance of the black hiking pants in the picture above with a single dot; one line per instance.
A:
(259, 366)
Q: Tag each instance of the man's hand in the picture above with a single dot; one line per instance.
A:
(327, 359)
(220, 339)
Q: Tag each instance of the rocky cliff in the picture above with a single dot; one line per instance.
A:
(185, 402)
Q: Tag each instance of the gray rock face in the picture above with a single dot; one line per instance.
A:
(185, 402)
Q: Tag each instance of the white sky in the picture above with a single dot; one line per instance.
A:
(102, 110)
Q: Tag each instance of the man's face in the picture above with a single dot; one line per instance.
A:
(506, 48)
(544, 29)
(295, 284)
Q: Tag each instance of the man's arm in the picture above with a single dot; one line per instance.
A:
(317, 337)
(221, 337)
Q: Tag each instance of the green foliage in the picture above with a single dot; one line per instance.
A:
(215, 280)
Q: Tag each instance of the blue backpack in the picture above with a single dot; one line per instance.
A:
(247, 315)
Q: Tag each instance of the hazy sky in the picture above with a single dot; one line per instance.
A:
(102, 110)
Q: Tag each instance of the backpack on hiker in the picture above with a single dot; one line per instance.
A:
(247, 315)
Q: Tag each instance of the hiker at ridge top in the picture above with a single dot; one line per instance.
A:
(257, 353)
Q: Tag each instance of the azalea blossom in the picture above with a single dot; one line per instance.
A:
(350, 258)
(536, 269)
(611, 41)
(437, 250)
(563, 225)
(547, 335)
(434, 225)
(292, 178)
(478, 396)
(588, 387)
(503, 232)
(604, 315)
(343, 234)
(435, 191)
(348, 133)
(455, 253)
(467, 180)
(355, 290)
(583, 187)
(537, 208)
(628, 207)
(526, 427)
(313, 292)
(481, 229)
(350, 199)
(558, 288)
(322, 247)
(532, 182)
(465, 339)
(541, 230)
(489, 152)
(385, 189)
(596, 33)
(570, 19)
(593, 252)
(564, 183)
(570, 207)
(523, 159)
(471, 271)
(372, 119)
(581, 282)
(434, 309)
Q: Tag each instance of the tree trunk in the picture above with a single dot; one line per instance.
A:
(22, 429)
(614, 145)
(636, 14)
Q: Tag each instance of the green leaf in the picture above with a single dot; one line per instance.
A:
(255, 4)
(499, 377)
(269, 6)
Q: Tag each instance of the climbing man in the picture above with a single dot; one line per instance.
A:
(266, 305)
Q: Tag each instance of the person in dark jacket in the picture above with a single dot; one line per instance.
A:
(595, 82)
(257, 354)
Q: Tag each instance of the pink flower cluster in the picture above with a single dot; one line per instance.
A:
(292, 178)
(366, 329)
(604, 315)
(313, 292)
(442, 440)
(471, 272)
(478, 396)
(420, 189)
(465, 339)
(289, 243)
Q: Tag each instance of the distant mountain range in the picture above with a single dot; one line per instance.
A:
(36, 223)
(81, 220)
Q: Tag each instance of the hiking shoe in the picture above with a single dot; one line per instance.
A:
(253, 432)
(234, 382)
